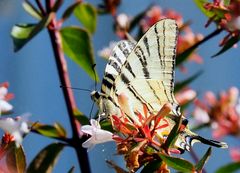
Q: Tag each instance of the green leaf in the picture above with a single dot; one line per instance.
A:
(178, 163)
(60, 129)
(57, 5)
(117, 168)
(23, 33)
(136, 20)
(173, 134)
(106, 125)
(228, 45)
(68, 12)
(87, 15)
(229, 168)
(227, 2)
(28, 7)
(83, 119)
(55, 131)
(15, 158)
(77, 45)
(200, 5)
(182, 84)
(216, 13)
(184, 55)
(199, 166)
(152, 166)
(71, 170)
(46, 159)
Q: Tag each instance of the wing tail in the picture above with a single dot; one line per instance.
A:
(209, 142)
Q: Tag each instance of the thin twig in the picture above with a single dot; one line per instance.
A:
(68, 94)
(40, 6)
(211, 35)
(190, 49)
(196, 159)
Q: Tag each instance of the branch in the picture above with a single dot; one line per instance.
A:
(68, 94)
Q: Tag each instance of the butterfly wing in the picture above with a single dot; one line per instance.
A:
(116, 60)
(118, 56)
(147, 76)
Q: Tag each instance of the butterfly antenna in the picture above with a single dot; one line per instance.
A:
(95, 87)
(95, 77)
(81, 89)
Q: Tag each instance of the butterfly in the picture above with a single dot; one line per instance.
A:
(144, 71)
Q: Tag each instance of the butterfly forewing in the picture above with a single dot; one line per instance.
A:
(116, 60)
(147, 76)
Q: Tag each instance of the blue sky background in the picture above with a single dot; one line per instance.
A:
(33, 78)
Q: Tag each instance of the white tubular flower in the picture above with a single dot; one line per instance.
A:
(98, 135)
(16, 127)
(4, 105)
(123, 20)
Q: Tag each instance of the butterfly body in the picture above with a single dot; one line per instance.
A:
(144, 72)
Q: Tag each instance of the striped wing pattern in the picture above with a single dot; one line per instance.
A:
(106, 103)
(148, 74)
(116, 60)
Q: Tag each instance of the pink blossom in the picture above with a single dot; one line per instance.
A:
(226, 17)
(186, 37)
(235, 154)
(222, 112)
(185, 96)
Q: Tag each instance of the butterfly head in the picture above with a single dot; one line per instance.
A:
(95, 96)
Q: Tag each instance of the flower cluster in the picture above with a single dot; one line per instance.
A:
(222, 112)
(14, 128)
(139, 136)
(226, 14)
(5, 107)
(235, 154)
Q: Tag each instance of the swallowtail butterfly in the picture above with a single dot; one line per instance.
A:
(144, 71)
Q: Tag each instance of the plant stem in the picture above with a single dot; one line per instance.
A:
(195, 158)
(68, 94)
(211, 35)
(40, 6)
(184, 55)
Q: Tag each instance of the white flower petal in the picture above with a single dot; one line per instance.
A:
(16, 127)
(3, 92)
(8, 124)
(87, 129)
(5, 106)
(95, 123)
(97, 134)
